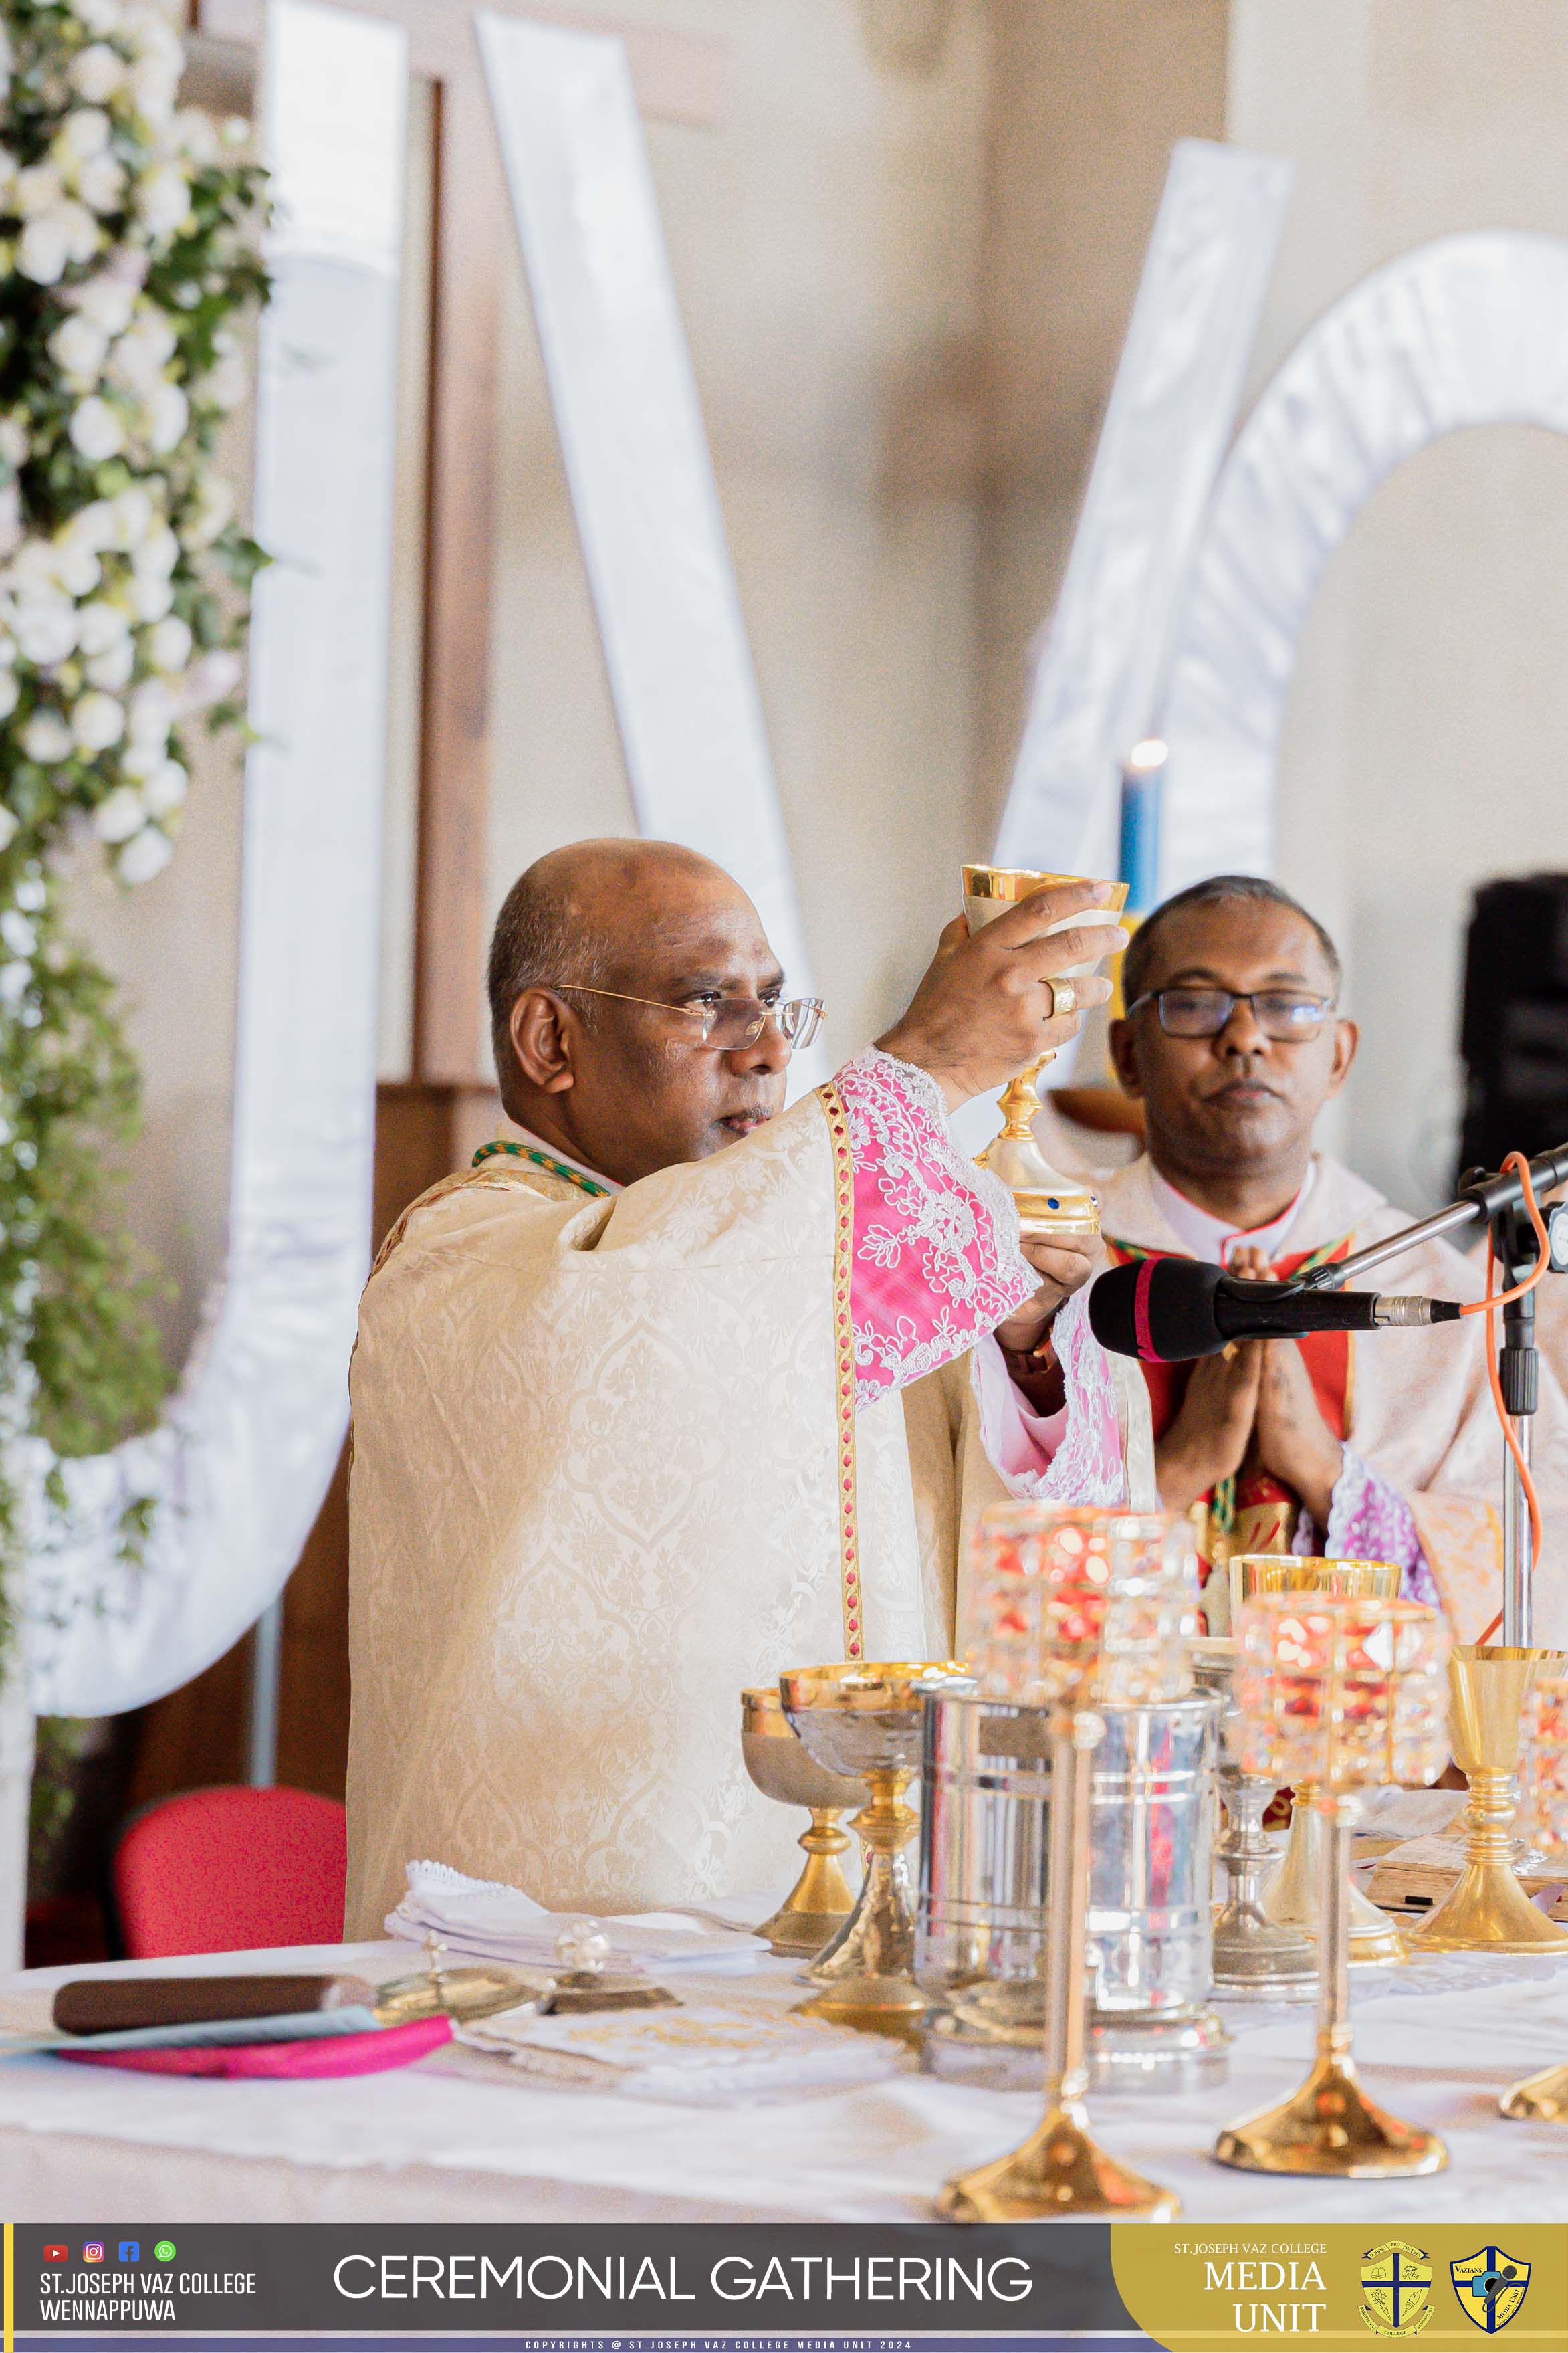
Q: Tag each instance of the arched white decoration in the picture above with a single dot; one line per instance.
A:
(245, 1454)
(1103, 655)
(1470, 330)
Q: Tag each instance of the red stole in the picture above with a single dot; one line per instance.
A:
(1254, 1511)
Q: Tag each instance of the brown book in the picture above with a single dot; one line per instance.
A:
(119, 2005)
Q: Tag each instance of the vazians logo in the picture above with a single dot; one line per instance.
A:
(1395, 2289)
(1490, 2286)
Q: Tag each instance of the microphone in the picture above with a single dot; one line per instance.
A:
(1167, 1310)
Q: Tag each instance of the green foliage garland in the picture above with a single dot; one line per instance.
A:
(127, 250)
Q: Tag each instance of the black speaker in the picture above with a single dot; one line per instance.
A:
(1514, 1030)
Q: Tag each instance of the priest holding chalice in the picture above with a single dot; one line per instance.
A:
(675, 1388)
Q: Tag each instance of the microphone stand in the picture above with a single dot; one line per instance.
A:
(1497, 1200)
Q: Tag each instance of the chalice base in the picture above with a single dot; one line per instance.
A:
(1539, 2099)
(816, 1907)
(1290, 1899)
(1255, 1959)
(1051, 1208)
(878, 1939)
(872, 2004)
(1330, 2126)
(1487, 1911)
(1121, 2053)
(1141, 2054)
(1059, 2175)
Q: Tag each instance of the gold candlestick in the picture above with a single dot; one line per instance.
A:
(1051, 1207)
(1344, 1693)
(821, 1899)
(863, 1722)
(1066, 1607)
(1290, 1897)
(1543, 2098)
(1487, 1910)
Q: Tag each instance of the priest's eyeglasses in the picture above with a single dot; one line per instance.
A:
(728, 1022)
(1289, 1016)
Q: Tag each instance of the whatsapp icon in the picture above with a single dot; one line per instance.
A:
(165, 2251)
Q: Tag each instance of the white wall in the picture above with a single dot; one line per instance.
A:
(825, 240)
(1427, 727)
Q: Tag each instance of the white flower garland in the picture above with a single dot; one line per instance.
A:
(127, 249)
(106, 642)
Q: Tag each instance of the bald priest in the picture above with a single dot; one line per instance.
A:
(675, 1388)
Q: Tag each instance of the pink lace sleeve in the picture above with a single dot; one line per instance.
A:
(1072, 1457)
(1370, 1520)
(935, 1260)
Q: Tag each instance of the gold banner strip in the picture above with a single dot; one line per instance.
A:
(844, 1369)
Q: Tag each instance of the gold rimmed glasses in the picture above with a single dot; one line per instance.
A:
(724, 1023)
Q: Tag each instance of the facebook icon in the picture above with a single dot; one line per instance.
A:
(130, 2251)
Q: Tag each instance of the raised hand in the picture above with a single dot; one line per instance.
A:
(1208, 1440)
(984, 1010)
(1294, 1443)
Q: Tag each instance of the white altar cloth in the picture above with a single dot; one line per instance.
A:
(417, 2144)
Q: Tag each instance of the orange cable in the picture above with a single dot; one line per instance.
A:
(1489, 1307)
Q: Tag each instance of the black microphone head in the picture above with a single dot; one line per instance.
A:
(1160, 1310)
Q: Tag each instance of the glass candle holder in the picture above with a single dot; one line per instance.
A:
(1543, 2098)
(1066, 1607)
(1290, 1895)
(1342, 1693)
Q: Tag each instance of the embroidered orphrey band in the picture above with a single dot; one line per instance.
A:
(551, 1167)
(844, 1369)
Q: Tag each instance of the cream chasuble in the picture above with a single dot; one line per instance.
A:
(609, 1470)
(1423, 1445)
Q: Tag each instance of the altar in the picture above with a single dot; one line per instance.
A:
(461, 2137)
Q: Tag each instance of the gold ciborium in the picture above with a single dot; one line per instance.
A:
(1339, 1694)
(1487, 1910)
(1051, 1207)
(1290, 1897)
(1066, 1607)
(821, 1899)
(864, 1722)
(1543, 2098)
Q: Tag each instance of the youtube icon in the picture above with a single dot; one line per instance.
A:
(57, 2254)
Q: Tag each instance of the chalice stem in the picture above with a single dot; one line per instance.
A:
(1334, 1931)
(1067, 1894)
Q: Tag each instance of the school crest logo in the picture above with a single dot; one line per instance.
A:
(1395, 2289)
(1490, 2286)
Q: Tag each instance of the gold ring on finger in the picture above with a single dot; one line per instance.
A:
(1064, 999)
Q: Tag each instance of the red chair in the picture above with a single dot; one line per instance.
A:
(231, 1870)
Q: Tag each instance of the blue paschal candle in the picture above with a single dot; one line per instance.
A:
(1140, 859)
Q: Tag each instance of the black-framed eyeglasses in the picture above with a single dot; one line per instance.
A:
(1289, 1016)
(728, 1022)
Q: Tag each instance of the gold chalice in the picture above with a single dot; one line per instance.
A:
(1543, 2098)
(1487, 1910)
(1066, 1607)
(1291, 1898)
(821, 1899)
(1051, 1207)
(864, 1722)
(1337, 1694)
